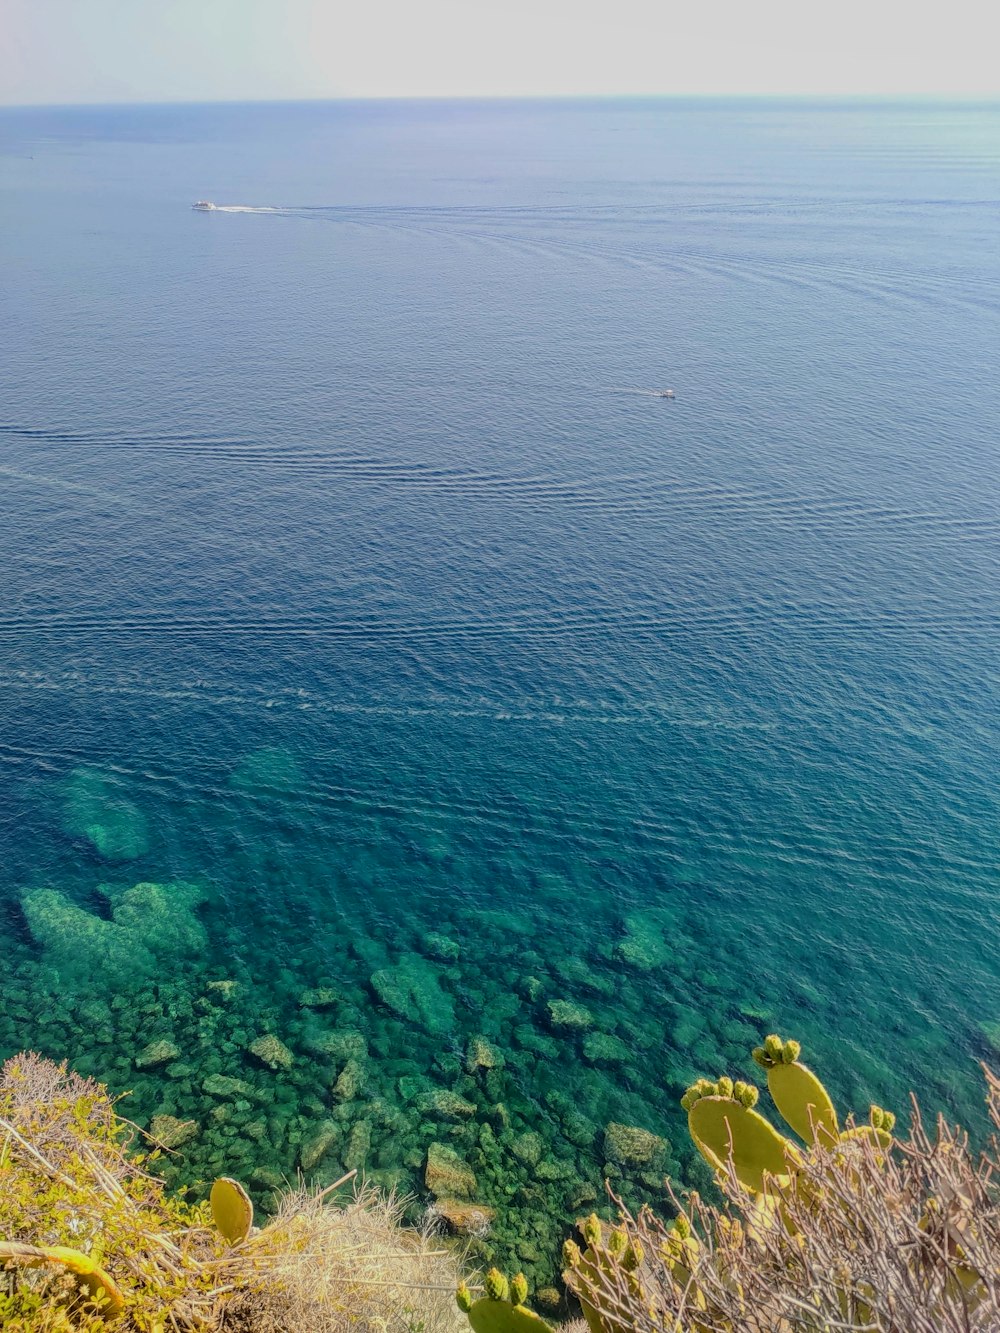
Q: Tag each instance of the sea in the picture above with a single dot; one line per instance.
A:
(425, 748)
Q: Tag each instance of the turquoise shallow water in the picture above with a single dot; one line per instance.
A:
(359, 594)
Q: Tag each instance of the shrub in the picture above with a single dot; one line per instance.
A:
(855, 1235)
(73, 1173)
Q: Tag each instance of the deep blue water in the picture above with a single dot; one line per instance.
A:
(353, 574)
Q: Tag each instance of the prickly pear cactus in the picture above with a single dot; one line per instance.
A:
(502, 1309)
(796, 1091)
(102, 1296)
(606, 1250)
(681, 1251)
(232, 1209)
(724, 1127)
(878, 1130)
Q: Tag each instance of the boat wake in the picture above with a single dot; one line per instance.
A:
(204, 206)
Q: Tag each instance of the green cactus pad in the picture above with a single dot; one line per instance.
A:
(490, 1316)
(803, 1102)
(102, 1293)
(680, 1252)
(880, 1119)
(582, 1275)
(757, 1148)
(881, 1138)
(232, 1209)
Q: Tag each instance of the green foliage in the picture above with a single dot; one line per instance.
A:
(25, 1311)
(74, 1190)
(97, 1236)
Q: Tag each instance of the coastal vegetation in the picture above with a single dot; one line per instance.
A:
(836, 1225)
(92, 1237)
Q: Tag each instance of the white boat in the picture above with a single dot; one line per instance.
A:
(204, 206)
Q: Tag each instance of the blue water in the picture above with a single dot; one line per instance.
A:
(354, 576)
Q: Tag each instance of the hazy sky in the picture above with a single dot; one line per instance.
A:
(201, 50)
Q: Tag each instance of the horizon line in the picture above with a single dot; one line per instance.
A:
(921, 98)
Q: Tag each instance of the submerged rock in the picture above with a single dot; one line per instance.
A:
(645, 944)
(80, 944)
(528, 1148)
(600, 1048)
(482, 1054)
(563, 1014)
(221, 1085)
(156, 1053)
(171, 1132)
(265, 1177)
(316, 1148)
(349, 1082)
(530, 1039)
(461, 1217)
(447, 1105)
(630, 1145)
(341, 1044)
(95, 808)
(412, 990)
(151, 925)
(320, 997)
(576, 972)
(441, 947)
(225, 989)
(447, 1175)
(358, 1146)
(272, 1052)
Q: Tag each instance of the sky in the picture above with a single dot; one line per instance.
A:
(72, 51)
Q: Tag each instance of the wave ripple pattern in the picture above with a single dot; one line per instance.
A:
(419, 732)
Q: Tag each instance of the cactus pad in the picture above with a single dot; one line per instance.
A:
(495, 1312)
(803, 1102)
(232, 1209)
(757, 1148)
(101, 1291)
(488, 1316)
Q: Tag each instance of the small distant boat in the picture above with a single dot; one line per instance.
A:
(204, 206)
(665, 393)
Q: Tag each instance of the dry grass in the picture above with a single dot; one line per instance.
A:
(905, 1242)
(332, 1269)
